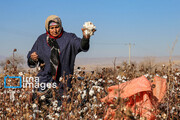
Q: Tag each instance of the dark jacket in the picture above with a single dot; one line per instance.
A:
(70, 46)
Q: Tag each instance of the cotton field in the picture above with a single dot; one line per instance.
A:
(83, 100)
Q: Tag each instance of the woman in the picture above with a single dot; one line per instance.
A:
(55, 51)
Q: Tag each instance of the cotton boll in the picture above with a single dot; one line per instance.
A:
(85, 109)
(146, 75)
(55, 104)
(95, 116)
(43, 97)
(20, 74)
(54, 108)
(87, 32)
(123, 81)
(84, 94)
(96, 83)
(98, 90)
(110, 81)
(61, 79)
(58, 109)
(89, 25)
(89, 28)
(123, 77)
(100, 80)
(49, 116)
(165, 76)
(178, 73)
(91, 92)
(34, 106)
(100, 105)
(95, 98)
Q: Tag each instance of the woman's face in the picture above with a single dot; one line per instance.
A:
(54, 30)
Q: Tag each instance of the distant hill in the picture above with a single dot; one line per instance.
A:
(92, 63)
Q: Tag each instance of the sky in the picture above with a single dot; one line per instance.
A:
(151, 25)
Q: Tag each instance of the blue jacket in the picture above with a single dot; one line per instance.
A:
(70, 46)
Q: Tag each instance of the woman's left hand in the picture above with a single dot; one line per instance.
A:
(84, 34)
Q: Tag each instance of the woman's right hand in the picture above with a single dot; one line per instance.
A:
(34, 56)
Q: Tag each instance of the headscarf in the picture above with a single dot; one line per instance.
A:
(51, 41)
(53, 18)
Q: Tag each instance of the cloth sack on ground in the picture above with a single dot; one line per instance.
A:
(143, 97)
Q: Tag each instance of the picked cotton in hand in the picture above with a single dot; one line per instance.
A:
(89, 28)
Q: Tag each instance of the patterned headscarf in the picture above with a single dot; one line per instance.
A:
(51, 41)
(53, 18)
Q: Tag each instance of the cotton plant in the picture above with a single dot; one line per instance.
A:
(86, 95)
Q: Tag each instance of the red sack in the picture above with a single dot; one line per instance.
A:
(140, 95)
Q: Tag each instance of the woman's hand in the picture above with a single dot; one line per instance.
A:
(84, 34)
(34, 56)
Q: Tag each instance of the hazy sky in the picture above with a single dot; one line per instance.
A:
(152, 25)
